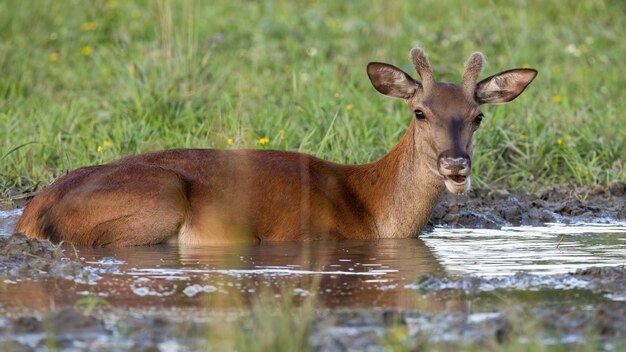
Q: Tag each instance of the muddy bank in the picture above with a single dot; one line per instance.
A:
(600, 280)
(22, 257)
(602, 325)
(484, 208)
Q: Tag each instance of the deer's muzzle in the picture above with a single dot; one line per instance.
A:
(455, 171)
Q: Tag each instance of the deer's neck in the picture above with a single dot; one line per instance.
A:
(400, 189)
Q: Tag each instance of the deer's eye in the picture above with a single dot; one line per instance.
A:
(478, 119)
(419, 114)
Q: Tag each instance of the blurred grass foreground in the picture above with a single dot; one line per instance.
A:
(86, 82)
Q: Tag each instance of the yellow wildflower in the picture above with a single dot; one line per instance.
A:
(99, 149)
(556, 98)
(349, 107)
(86, 51)
(559, 141)
(54, 56)
(264, 141)
(525, 66)
(106, 143)
(230, 141)
(89, 26)
(112, 4)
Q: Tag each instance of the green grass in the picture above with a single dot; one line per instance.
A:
(196, 74)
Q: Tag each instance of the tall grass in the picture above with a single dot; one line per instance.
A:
(87, 82)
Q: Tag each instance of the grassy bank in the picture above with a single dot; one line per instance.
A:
(87, 82)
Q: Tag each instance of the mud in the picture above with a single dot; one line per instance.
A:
(22, 257)
(483, 208)
(602, 325)
(586, 306)
(599, 280)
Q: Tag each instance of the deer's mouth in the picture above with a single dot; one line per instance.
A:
(455, 172)
(460, 179)
(457, 184)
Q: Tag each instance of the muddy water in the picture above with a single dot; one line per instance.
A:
(348, 274)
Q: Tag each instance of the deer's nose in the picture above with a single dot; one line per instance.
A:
(454, 166)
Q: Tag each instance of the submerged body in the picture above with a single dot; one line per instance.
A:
(193, 196)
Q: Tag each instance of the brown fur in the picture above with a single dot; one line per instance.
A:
(195, 196)
(473, 67)
(422, 66)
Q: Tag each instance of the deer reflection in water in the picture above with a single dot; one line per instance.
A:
(351, 273)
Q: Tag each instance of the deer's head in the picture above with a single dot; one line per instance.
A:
(446, 114)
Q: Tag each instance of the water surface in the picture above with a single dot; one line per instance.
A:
(550, 249)
(373, 274)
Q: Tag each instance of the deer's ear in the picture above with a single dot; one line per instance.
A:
(392, 81)
(504, 87)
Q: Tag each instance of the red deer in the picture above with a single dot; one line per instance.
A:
(200, 196)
